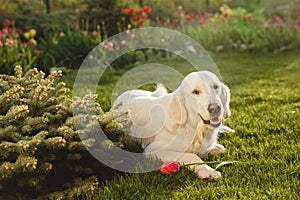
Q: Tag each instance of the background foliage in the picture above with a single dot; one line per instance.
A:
(69, 30)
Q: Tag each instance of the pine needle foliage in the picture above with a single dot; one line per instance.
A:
(39, 143)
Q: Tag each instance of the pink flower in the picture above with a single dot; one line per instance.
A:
(6, 22)
(20, 55)
(76, 26)
(274, 18)
(10, 31)
(11, 42)
(202, 22)
(178, 13)
(37, 52)
(109, 46)
(24, 45)
(94, 33)
(280, 23)
(278, 20)
(169, 168)
(5, 31)
(124, 44)
(2, 34)
(132, 36)
(267, 25)
(1, 44)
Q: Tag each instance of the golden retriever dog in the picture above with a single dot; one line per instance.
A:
(183, 125)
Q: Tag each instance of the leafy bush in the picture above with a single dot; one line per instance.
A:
(240, 30)
(39, 142)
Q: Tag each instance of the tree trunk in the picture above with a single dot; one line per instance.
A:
(47, 2)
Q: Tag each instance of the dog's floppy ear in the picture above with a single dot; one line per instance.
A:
(225, 100)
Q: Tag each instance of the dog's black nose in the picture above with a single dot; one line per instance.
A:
(214, 108)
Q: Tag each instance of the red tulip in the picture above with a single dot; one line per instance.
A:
(175, 22)
(141, 20)
(6, 22)
(135, 18)
(128, 11)
(202, 22)
(139, 12)
(169, 168)
(147, 9)
(226, 15)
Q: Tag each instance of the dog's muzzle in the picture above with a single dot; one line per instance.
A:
(214, 122)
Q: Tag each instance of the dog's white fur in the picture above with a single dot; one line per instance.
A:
(171, 126)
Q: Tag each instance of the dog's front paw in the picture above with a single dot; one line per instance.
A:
(218, 148)
(206, 172)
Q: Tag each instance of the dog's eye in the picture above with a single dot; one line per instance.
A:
(216, 87)
(196, 92)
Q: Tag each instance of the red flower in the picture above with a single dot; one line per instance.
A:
(226, 15)
(202, 22)
(1, 44)
(248, 19)
(20, 55)
(135, 18)
(169, 168)
(76, 26)
(147, 9)
(161, 22)
(6, 22)
(144, 16)
(11, 42)
(190, 17)
(24, 45)
(175, 22)
(128, 11)
(139, 12)
(178, 13)
(141, 21)
(274, 18)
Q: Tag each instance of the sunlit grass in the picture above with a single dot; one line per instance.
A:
(265, 115)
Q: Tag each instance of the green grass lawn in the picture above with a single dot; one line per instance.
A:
(265, 116)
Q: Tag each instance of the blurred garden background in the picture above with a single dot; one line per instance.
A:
(61, 33)
(254, 43)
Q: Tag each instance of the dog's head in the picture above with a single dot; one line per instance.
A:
(204, 96)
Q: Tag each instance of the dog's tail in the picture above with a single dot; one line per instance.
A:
(160, 90)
